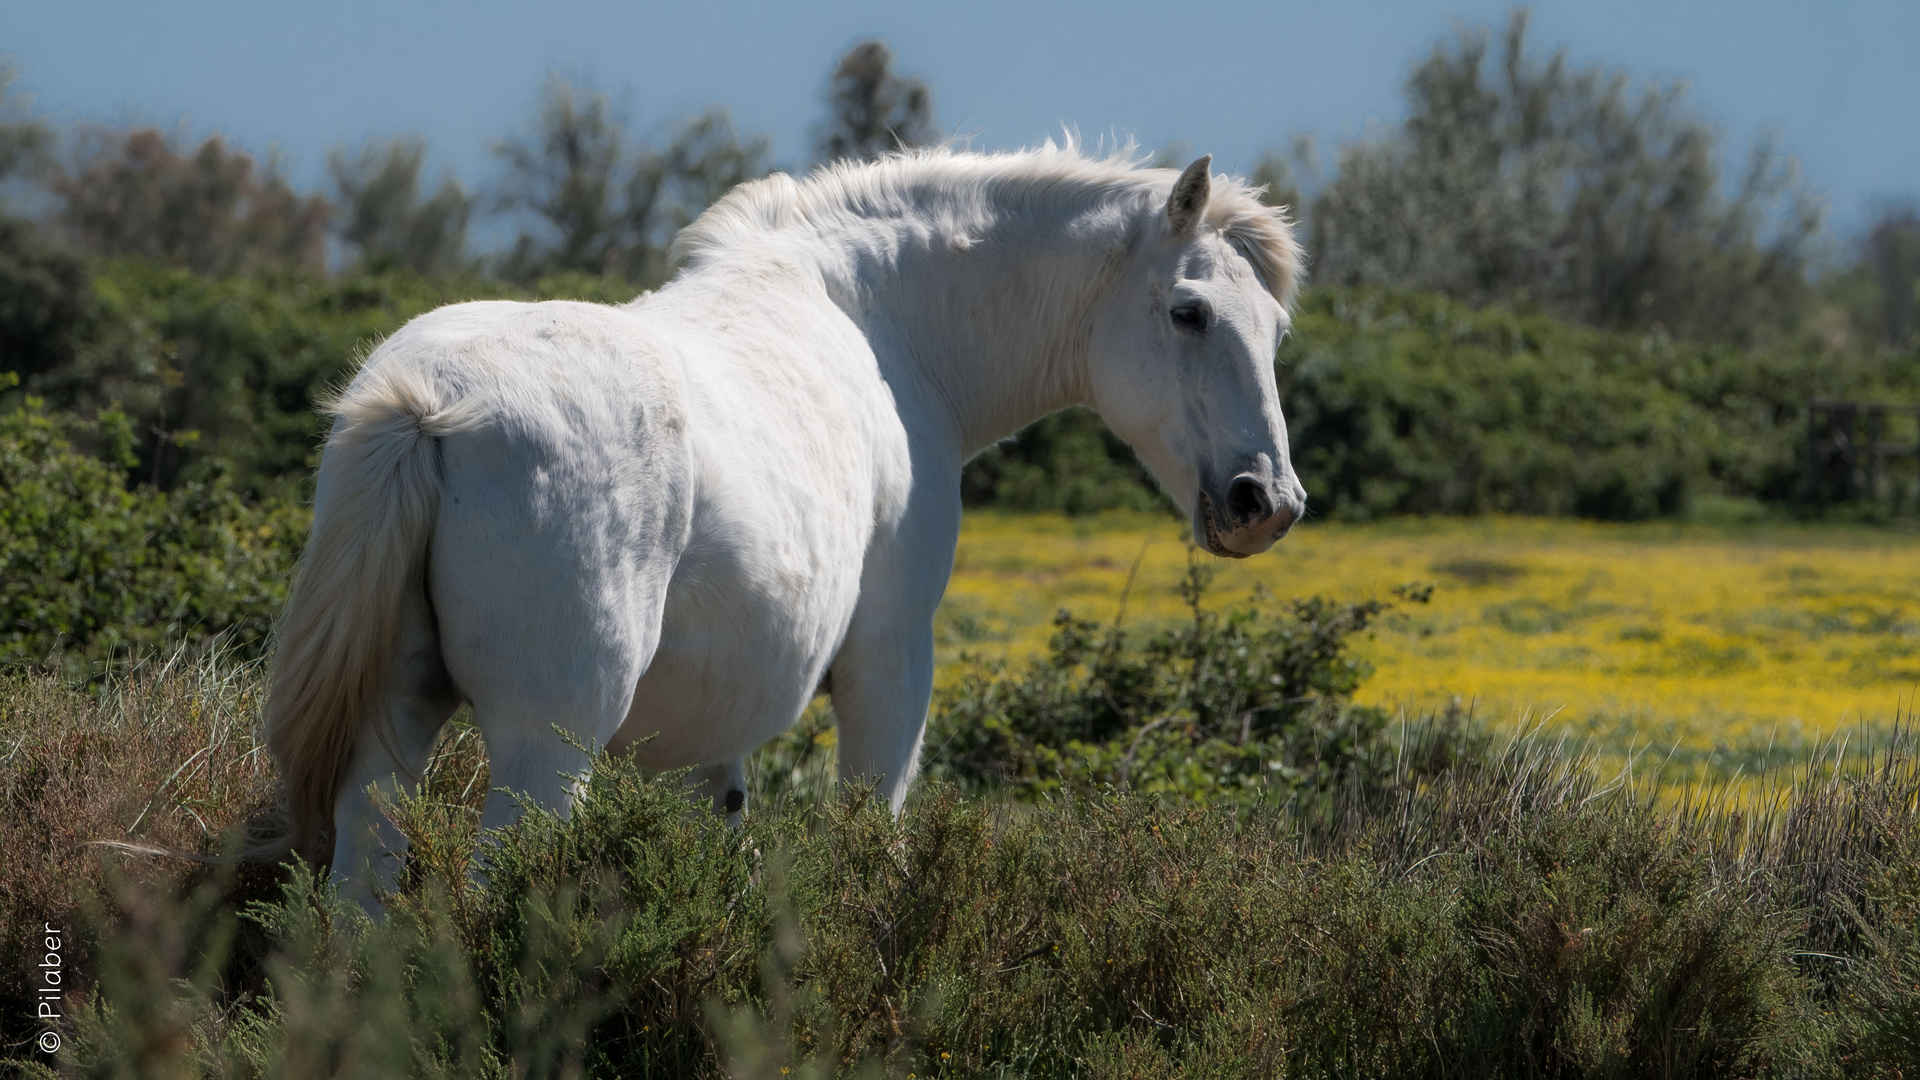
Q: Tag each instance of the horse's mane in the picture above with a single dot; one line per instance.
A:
(938, 185)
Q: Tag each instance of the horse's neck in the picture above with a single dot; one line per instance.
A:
(991, 329)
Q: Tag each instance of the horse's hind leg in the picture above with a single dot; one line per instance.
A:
(549, 662)
(367, 848)
(543, 720)
(726, 785)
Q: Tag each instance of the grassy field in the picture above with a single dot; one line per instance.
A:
(1423, 902)
(1727, 647)
(1482, 910)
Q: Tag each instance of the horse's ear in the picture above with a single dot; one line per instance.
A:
(1190, 193)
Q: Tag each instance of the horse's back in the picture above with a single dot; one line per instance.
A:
(555, 364)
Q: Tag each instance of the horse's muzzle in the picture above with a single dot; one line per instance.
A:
(1249, 516)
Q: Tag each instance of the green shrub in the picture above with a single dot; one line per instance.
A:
(91, 566)
(221, 375)
(1241, 706)
(1507, 919)
(1409, 403)
(1480, 909)
(1065, 463)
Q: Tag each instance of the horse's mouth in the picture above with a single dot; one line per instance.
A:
(1209, 531)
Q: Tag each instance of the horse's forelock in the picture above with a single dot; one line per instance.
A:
(1263, 234)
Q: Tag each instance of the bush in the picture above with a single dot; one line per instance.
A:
(1483, 909)
(1064, 463)
(1235, 707)
(221, 376)
(94, 567)
(1503, 916)
(1409, 403)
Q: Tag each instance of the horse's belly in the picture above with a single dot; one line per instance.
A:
(790, 482)
(735, 670)
(695, 719)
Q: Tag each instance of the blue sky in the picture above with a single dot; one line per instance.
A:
(1837, 80)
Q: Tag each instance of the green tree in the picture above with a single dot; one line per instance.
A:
(1516, 176)
(24, 140)
(1893, 255)
(600, 203)
(871, 109)
(564, 171)
(47, 308)
(212, 210)
(385, 216)
(46, 303)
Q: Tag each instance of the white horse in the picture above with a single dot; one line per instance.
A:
(664, 527)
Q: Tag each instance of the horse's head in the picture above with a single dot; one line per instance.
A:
(1181, 363)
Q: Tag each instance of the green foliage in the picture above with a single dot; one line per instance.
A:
(387, 220)
(228, 370)
(1066, 463)
(212, 210)
(871, 109)
(1410, 403)
(1237, 707)
(1499, 916)
(91, 567)
(1520, 177)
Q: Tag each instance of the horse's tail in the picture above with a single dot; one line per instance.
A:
(378, 495)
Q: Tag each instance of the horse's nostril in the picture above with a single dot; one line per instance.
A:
(1248, 501)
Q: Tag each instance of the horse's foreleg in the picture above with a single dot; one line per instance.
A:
(883, 673)
(881, 689)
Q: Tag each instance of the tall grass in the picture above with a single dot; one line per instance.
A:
(1479, 907)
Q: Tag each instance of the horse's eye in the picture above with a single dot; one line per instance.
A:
(1190, 317)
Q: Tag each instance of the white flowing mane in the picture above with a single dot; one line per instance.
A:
(955, 196)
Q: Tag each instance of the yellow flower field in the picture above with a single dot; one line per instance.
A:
(1710, 644)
